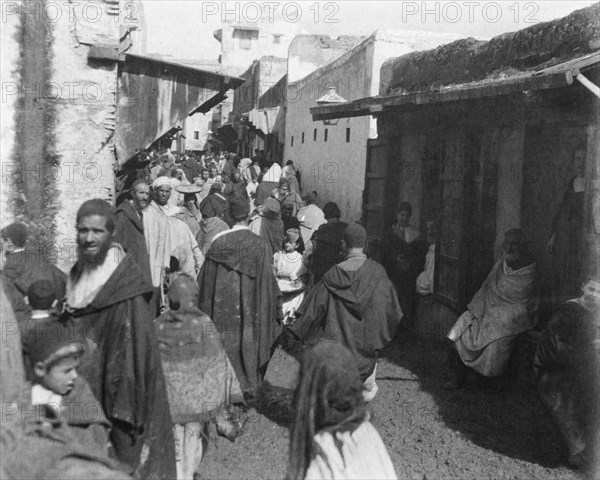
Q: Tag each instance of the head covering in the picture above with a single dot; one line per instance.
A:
(211, 207)
(328, 396)
(216, 188)
(271, 208)
(309, 199)
(292, 235)
(99, 207)
(239, 208)
(50, 341)
(355, 236)
(16, 233)
(41, 295)
(161, 181)
(183, 294)
(405, 207)
(331, 210)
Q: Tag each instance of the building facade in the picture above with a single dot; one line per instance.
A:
(485, 137)
(332, 156)
(80, 105)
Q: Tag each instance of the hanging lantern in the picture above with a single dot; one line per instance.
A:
(329, 99)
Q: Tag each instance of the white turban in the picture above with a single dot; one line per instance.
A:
(160, 181)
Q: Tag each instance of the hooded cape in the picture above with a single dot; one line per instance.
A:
(239, 292)
(122, 365)
(358, 309)
(129, 233)
(200, 378)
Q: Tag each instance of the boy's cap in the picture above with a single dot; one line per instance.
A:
(41, 295)
(16, 233)
(50, 341)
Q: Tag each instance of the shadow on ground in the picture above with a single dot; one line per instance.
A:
(512, 422)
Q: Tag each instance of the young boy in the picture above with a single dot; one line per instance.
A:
(67, 437)
(52, 350)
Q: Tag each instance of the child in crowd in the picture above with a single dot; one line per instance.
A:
(289, 270)
(68, 434)
(332, 437)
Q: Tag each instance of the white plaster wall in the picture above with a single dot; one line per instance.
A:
(10, 81)
(198, 122)
(335, 169)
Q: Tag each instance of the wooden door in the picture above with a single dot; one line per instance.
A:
(375, 194)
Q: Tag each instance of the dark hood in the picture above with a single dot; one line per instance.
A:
(128, 210)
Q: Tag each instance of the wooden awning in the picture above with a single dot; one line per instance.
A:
(557, 76)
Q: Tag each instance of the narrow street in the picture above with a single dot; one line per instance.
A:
(429, 432)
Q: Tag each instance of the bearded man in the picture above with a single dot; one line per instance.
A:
(129, 227)
(108, 300)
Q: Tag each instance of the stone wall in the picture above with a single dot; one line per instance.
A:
(59, 126)
(10, 77)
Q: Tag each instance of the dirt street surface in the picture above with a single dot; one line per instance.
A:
(430, 433)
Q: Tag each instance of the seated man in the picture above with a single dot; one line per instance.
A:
(354, 304)
(504, 306)
(567, 368)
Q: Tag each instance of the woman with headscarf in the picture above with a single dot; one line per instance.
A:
(269, 226)
(332, 437)
(201, 383)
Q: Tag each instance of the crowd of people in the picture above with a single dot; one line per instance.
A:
(166, 324)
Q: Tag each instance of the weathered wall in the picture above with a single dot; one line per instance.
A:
(472, 60)
(260, 77)
(333, 167)
(59, 127)
(199, 122)
(10, 78)
(526, 148)
(85, 120)
(309, 52)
